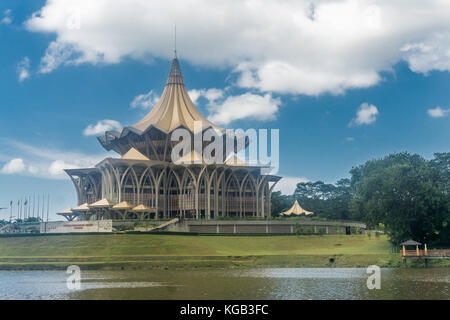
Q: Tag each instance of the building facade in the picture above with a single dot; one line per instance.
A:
(145, 183)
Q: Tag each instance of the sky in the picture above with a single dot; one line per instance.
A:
(344, 81)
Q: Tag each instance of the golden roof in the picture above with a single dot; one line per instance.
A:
(103, 203)
(83, 207)
(134, 154)
(142, 208)
(296, 209)
(175, 108)
(65, 211)
(123, 205)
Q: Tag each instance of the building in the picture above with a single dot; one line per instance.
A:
(296, 210)
(144, 183)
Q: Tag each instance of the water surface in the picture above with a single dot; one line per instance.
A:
(269, 283)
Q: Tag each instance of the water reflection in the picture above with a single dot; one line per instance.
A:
(275, 283)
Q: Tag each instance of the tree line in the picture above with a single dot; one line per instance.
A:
(404, 194)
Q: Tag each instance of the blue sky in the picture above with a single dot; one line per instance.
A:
(53, 87)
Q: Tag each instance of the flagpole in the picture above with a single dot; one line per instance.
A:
(43, 206)
(48, 205)
(37, 213)
(28, 207)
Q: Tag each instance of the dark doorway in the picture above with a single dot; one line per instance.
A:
(347, 231)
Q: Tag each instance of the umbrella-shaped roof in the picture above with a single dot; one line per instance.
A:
(103, 203)
(83, 207)
(142, 208)
(123, 205)
(66, 211)
(296, 209)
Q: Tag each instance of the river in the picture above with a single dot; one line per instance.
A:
(273, 283)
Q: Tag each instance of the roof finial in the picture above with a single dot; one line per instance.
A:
(175, 45)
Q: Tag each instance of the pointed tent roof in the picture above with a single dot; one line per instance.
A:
(174, 108)
(134, 154)
(123, 205)
(296, 209)
(142, 208)
(83, 207)
(103, 203)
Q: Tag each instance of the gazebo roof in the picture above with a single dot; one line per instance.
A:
(103, 203)
(142, 208)
(410, 243)
(296, 209)
(65, 211)
(123, 205)
(83, 207)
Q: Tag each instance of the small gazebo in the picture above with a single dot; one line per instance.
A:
(297, 210)
(123, 208)
(142, 210)
(81, 210)
(68, 214)
(410, 243)
(102, 206)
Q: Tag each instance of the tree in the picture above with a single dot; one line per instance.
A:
(405, 193)
(325, 200)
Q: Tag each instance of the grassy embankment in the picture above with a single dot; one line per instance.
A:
(129, 251)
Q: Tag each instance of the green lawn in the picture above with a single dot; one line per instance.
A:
(152, 250)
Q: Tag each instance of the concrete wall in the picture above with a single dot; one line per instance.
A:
(76, 226)
(266, 227)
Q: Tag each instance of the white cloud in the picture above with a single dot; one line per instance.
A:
(244, 106)
(211, 94)
(145, 101)
(287, 185)
(57, 167)
(101, 127)
(23, 69)
(349, 139)
(7, 19)
(43, 162)
(56, 54)
(13, 166)
(366, 114)
(284, 46)
(438, 112)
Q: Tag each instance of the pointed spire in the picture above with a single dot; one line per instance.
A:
(175, 42)
(175, 76)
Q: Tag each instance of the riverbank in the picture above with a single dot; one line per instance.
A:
(153, 251)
